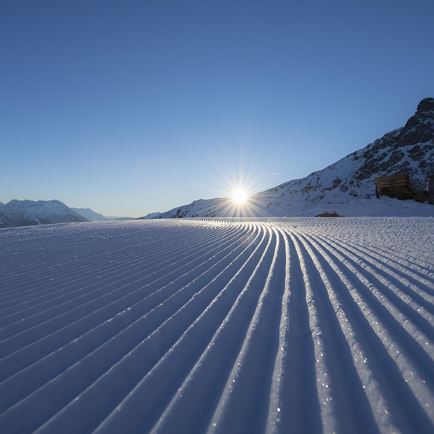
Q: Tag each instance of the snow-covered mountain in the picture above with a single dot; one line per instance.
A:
(5, 220)
(347, 186)
(29, 212)
(90, 214)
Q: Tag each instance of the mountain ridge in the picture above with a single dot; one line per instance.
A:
(346, 186)
(30, 212)
(90, 214)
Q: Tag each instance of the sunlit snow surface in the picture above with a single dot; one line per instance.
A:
(177, 326)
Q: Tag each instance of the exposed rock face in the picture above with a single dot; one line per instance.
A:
(426, 105)
(419, 128)
(408, 150)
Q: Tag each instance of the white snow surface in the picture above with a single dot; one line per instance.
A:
(300, 325)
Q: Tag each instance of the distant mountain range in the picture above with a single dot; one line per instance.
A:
(30, 212)
(346, 187)
(94, 216)
(90, 214)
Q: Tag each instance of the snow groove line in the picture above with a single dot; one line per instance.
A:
(71, 296)
(9, 386)
(275, 405)
(415, 294)
(104, 253)
(152, 258)
(10, 390)
(15, 360)
(417, 321)
(413, 393)
(37, 402)
(143, 355)
(88, 299)
(356, 417)
(423, 263)
(389, 397)
(110, 252)
(180, 410)
(238, 407)
(112, 265)
(298, 397)
(122, 257)
(89, 271)
(338, 293)
(323, 377)
(408, 277)
(422, 275)
(244, 297)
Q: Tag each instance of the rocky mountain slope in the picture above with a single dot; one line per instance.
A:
(90, 214)
(347, 186)
(29, 212)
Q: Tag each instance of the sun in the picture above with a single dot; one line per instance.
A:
(239, 197)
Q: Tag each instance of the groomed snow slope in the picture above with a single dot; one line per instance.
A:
(220, 326)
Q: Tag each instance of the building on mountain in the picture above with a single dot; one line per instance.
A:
(394, 186)
(399, 187)
(430, 188)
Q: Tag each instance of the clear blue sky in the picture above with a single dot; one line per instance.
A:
(136, 106)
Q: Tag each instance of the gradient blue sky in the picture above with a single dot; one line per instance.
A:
(131, 106)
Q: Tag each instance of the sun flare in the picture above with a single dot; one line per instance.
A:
(239, 197)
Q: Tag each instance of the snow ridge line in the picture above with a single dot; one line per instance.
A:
(150, 352)
(405, 399)
(106, 279)
(121, 261)
(15, 360)
(105, 252)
